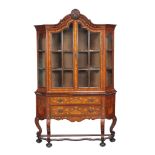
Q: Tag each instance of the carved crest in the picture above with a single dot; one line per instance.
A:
(75, 14)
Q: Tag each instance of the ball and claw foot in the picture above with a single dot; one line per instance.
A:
(102, 143)
(112, 139)
(48, 144)
(39, 140)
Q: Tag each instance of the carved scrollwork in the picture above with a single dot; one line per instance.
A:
(75, 118)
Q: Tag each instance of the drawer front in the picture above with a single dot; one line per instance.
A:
(75, 100)
(59, 100)
(76, 113)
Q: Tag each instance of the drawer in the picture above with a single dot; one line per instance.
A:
(75, 100)
(59, 100)
(72, 110)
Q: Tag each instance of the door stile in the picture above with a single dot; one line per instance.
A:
(75, 51)
(102, 60)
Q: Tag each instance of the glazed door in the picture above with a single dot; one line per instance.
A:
(75, 58)
(61, 51)
(88, 58)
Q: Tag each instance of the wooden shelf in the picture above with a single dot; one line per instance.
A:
(81, 51)
(41, 51)
(94, 50)
(41, 68)
(68, 69)
(56, 69)
(90, 68)
(83, 69)
(56, 51)
(68, 51)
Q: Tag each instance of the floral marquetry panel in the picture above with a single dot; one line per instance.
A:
(75, 113)
(75, 100)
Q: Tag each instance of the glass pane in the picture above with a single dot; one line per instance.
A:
(82, 38)
(68, 78)
(109, 60)
(41, 41)
(83, 78)
(56, 41)
(56, 60)
(41, 77)
(95, 59)
(109, 77)
(94, 78)
(109, 41)
(41, 60)
(83, 60)
(68, 60)
(94, 41)
(57, 78)
(68, 39)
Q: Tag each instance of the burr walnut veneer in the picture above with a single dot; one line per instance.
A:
(75, 74)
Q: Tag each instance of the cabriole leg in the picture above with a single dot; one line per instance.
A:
(114, 120)
(49, 144)
(102, 133)
(39, 140)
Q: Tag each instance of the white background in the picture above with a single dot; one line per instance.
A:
(134, 76)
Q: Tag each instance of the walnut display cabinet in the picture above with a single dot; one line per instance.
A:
(75, 66)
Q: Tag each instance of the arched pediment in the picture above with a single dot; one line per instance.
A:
(75, 15)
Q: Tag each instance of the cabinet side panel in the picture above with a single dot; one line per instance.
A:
(41, 107)
(110, 106)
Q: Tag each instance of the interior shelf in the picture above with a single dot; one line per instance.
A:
(56, 69)
(81, 51)
(56, 51)
(41, 68)
(41, 51)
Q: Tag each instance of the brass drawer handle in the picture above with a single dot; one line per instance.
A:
(60, 111)
(91, 110)
(60, 100)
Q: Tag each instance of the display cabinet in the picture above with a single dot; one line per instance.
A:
(75, 67)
